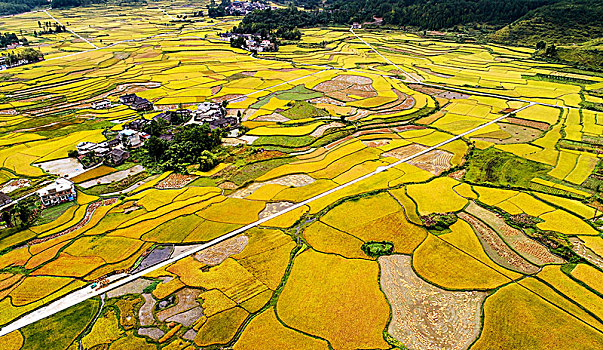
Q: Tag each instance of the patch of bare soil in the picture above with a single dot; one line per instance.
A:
(451, 95)
(227, 98)
(216, 89)
(496, 248)
(531, 250)
(153, 332)
(327, 100)
(341, 86)
(425, 316)
(215, 255)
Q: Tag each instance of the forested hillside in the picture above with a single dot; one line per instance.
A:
(427, 14)
(9, 7)
(568, 31)
(567, 22)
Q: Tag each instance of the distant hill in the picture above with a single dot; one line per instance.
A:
(424, 14)
(11, 7)
(574, 27)
(562, 23)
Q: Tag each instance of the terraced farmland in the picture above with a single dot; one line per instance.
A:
(385, 189)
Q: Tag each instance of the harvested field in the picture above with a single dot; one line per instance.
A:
(496, 248)
(450, 95)
(273, 208)
(274, 117)
(134, 287)
(215, 255)
(152, 332)
(187, 299)
(424, 316)
(529, 123)
(295, 180)
(531, 250)
(187, 318)
(175, 181)
(582, 250)
(435, 161)
(376, 143)
(145, 314)
(64, 167)
(321, 129)
(155, 256)
(514, 134)
(113, 177)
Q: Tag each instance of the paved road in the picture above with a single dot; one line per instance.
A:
(87, 293)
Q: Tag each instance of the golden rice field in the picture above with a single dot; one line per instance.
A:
(318, 118)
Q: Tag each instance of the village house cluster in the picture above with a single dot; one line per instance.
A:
(241, 8)
(250, 42)
(112, 152)
(214, 115)
(137, 103)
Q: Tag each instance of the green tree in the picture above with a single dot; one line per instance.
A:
(207, 161)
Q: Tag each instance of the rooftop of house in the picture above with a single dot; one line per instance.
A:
(59, 185)
(116, 152)
(128, 132)
(208, 106)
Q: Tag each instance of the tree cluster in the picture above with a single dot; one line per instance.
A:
(49, 28)
(214, 10)
(192, 144)
(7, 39)
(28, 54)
(74, 3)
(11, 7)
(22, 213)
(439, 221)
(424, 14)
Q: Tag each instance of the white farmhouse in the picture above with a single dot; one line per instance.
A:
(60, 191)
